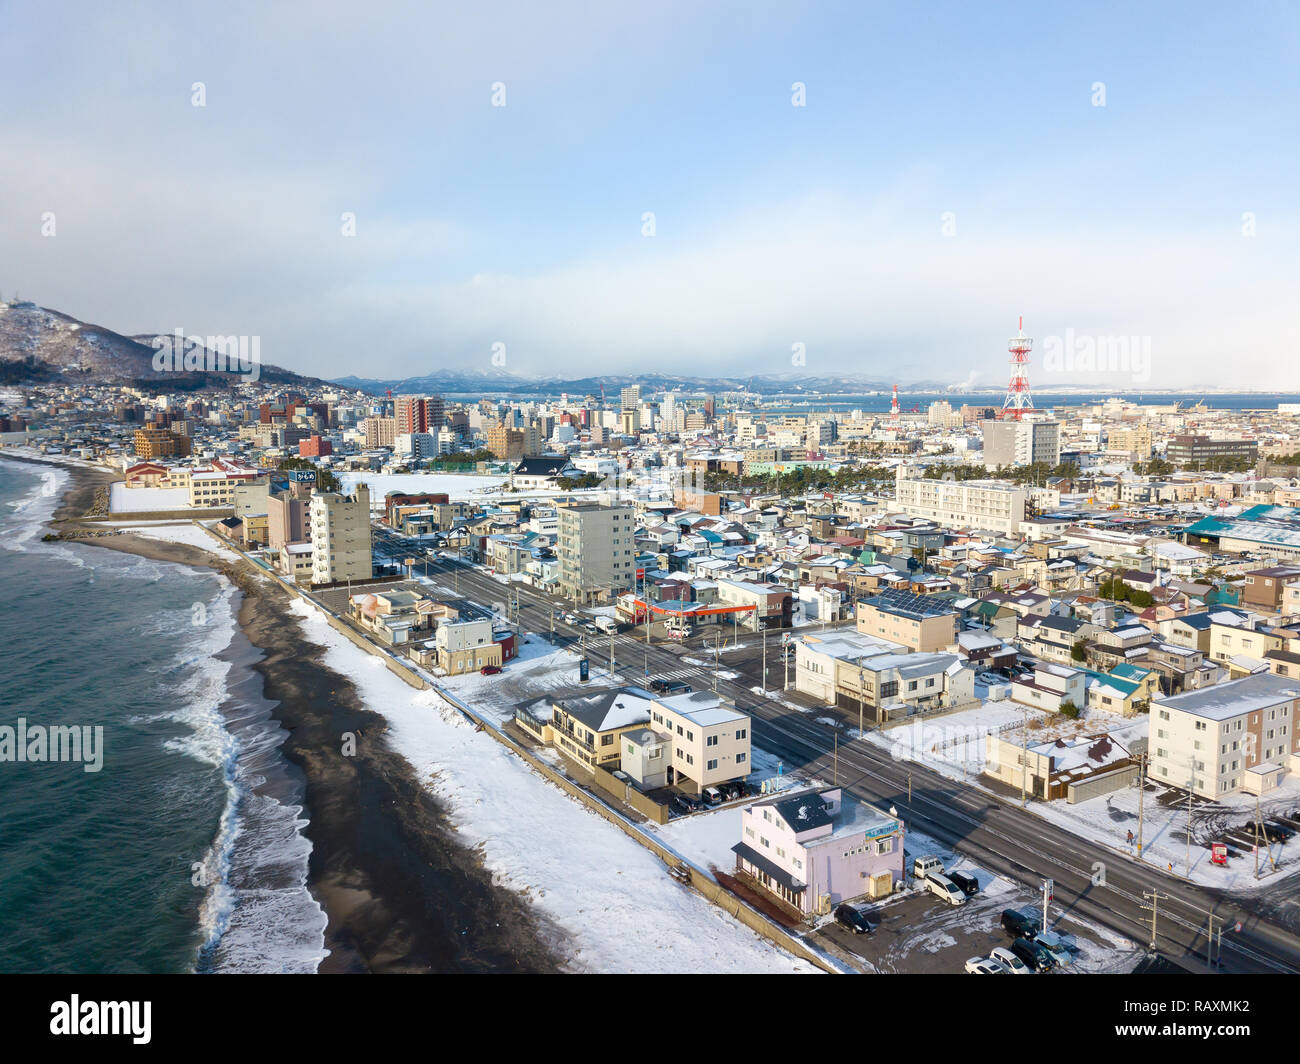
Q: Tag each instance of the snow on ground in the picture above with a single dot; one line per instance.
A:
(124, 500)
(189, 534)
(459, 486)
(954, 745)
(624, 913)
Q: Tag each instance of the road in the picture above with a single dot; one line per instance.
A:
(1104, 886)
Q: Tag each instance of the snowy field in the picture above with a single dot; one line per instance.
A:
(124, 500)
(622, 910)
(459, 486)
(954, 745)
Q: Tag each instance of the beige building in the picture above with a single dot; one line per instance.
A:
(340, 536)
(466, 646)
(1019, 443)
(380, 431)
(596, 552)
(911, 620)
(995, 505)
(1234, 736)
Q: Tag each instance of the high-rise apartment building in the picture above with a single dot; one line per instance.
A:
(1018, 443)
(380, 431)
(595, 547)
(340, 536)
(418, 413)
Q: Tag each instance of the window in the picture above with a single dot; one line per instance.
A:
(741, 733)
(740, 758)
(712, 740)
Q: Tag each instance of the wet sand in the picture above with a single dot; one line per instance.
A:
(400, 892)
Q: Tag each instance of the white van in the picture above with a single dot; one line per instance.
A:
(712, 795)
(938, 883)
(923, 866)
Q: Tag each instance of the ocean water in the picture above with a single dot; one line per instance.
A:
(184, 852)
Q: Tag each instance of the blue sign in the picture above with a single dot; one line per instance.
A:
(303, 476)
(584, 670)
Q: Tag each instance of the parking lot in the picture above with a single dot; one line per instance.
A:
(919, 933)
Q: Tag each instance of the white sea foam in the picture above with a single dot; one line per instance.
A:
(272, 924)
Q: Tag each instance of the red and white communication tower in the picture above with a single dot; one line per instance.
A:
(1018, 398)
(893, 406)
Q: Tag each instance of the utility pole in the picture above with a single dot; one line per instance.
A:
(1024, 755)
(764, 662)
(1190, 783)
(1155, 897)
(1047, 898)
(837, 757)
(611, 655)
(861, 700)
(1209, 939)
(1142, 786)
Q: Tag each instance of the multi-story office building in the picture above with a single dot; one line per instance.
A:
(1234, 736)
(1193, 451)
(1019, 443)
(595, 547)
(340, 536)
(993, 505)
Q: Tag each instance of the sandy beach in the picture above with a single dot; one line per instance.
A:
(401, 894)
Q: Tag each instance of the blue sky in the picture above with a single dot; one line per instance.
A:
(774, 225)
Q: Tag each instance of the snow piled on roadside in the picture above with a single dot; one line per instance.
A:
(621, 909)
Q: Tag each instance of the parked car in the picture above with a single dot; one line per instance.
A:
(968, 884)
(712, 795)
(1009, 961)
(923, 866)
(685, 804)
(1277, 830)
(490, 670)
(1018, 924)
(669, 687)
(941, 886)
(1036, 956)
(985, 966)
(855, 921)
(1061, 953)
(733, 789)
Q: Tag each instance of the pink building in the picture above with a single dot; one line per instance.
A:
(816, 848)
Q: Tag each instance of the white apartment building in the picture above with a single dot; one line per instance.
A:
(596, 551)
(993, 505)
(340, 536)
(1234, 736)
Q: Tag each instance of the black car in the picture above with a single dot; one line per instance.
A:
(669, 687)
(1034, 954)
(967, 884)
(1018, 924)
(685, 804)
(1278, 830)
(848, 916)
(733, 790)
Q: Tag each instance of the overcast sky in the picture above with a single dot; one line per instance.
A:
(951, 170)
